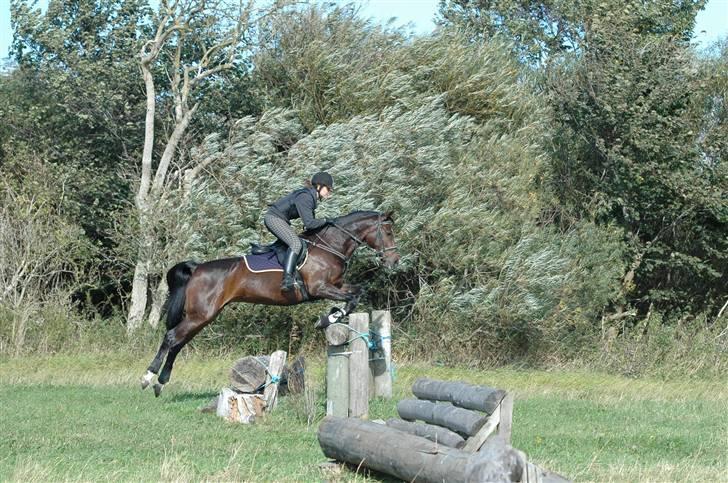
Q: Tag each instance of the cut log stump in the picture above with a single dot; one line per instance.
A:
(248, 373)
(239, 408)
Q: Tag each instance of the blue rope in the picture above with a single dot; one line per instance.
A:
(273, 379)
(369, 338)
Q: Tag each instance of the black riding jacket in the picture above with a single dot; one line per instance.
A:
(299, 204)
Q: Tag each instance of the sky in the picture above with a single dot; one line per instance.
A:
(712, 23)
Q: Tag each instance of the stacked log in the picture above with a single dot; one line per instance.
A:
(459, 420)
(409, 457)
(436, 434)
(468, 396)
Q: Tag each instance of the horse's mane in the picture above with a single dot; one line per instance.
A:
(346, 219)
(356, 215)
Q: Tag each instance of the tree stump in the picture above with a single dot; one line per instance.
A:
(297, 376)
(248, 374)
(239, 408)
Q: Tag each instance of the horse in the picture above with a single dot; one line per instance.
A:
(199, 291)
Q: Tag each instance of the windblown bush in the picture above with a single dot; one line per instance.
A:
(450, 137)
(41, 263)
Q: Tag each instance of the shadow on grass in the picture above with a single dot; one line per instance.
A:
(204, 396)
(369, 473)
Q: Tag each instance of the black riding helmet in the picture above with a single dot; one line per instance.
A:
(324, 179)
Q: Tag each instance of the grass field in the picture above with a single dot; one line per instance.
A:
(83, 417)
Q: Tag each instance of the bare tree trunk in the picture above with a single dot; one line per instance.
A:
(158, 298)
(138, 304)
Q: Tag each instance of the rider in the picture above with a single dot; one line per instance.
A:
(298, 204)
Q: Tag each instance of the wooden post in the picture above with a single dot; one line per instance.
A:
(476, 441)
(275, 369)
(381, 365)
(359, 366)
(337, 334)
(337, 381)
(506, 418)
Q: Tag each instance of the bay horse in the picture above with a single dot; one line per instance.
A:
(199, 291)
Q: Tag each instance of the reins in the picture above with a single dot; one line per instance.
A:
(359, 242)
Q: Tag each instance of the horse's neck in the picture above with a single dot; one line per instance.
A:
(342, 241)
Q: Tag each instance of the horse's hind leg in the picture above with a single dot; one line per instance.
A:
(182, 334)
(153, 368)
(167, 370)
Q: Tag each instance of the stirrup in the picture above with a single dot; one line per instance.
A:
(288, 287)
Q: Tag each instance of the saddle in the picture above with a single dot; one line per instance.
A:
(280, 249)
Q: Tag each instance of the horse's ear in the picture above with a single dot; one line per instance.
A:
(389, 215)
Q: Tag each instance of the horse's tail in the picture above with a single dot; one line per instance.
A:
(177, 278)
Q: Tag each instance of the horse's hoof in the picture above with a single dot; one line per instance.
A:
(158, 389)
(147, 379)
(322, 322)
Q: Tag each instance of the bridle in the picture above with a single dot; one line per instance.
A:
(359, 242)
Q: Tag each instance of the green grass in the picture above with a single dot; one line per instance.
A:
(83, 417)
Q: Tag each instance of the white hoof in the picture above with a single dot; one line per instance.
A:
(335, 315)
(147, 379)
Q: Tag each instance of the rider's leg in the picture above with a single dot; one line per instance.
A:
(288, 268)
(285, 233)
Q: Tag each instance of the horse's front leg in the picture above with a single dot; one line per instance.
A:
(347, 293)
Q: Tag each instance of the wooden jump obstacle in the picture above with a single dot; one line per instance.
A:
(463, 435)
(359, 363)
(255, 382)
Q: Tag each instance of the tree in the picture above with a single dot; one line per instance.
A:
(194, 42)
(629, 120)
(546, 31)
(42, 257)
(71, 104)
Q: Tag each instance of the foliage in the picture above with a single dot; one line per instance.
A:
(628, 151)
(635, 134)
(41, 258)
(459, 152)
(544, 31)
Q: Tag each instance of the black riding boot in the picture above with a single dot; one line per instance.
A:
(288, 268)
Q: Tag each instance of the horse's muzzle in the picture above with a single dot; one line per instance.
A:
(391, 259)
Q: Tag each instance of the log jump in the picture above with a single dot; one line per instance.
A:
(452, 431)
